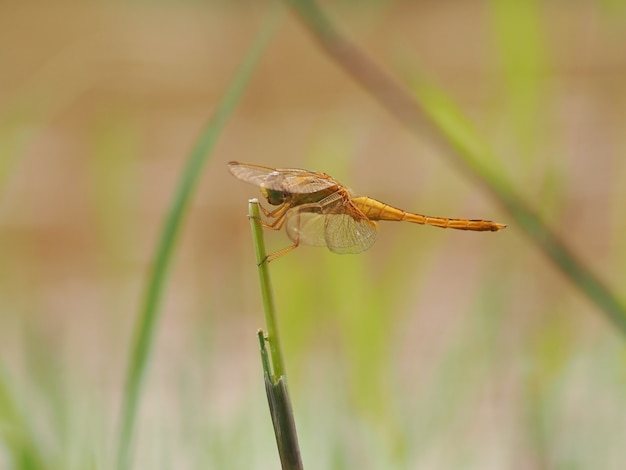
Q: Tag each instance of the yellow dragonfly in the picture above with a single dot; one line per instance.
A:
(317, 210)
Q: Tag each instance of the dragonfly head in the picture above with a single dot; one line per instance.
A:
(273, 196)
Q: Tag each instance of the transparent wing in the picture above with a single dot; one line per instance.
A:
(306, 224)
(345, 234)
(290, 180)
(333, 222)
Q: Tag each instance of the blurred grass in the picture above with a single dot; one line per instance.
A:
(478, 156)
(15, 431)
(114, 169)
(147, 321)
(476, 354)
(519, 38)
(38, 100)
(434, 116)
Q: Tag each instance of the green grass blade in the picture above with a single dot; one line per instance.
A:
(470, 146)
(284, 424)
(146, 326)
(428, 117)
(275, 380)
(15, 431)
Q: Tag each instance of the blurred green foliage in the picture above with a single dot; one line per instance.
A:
(431, 350)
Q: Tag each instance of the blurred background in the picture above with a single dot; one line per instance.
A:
(433, 350)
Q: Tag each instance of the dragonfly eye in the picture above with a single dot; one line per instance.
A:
(274, 197)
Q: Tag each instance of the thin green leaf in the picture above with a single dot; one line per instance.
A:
(147, 321)
(464, 148)
(15, 430)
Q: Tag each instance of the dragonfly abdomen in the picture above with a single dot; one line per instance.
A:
(474, 225)
(376, 210)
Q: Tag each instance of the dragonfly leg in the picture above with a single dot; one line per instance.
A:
(262, 222)
(266, 213)
(275, 225)
(278, 214)
(277, 254)
(271, 214)
(278, 223)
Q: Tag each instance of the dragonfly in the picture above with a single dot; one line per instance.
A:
(317, 210)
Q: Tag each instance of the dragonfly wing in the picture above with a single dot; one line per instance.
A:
(253, 174)
(333, 222)
(313, 225)
(346, 229)
(289, 180)
(306, 224)
(345, 233)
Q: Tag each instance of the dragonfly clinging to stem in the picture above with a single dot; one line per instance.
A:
(317, 210)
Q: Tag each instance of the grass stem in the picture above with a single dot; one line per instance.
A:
(278, 364)
(275, 379)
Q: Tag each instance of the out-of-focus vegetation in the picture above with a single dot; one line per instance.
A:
(434, 349)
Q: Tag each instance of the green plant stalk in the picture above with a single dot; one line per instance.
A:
(422, 119)
(265, 360)
(274, 370)
(283, 422)
(269, 308)
(147, 321)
